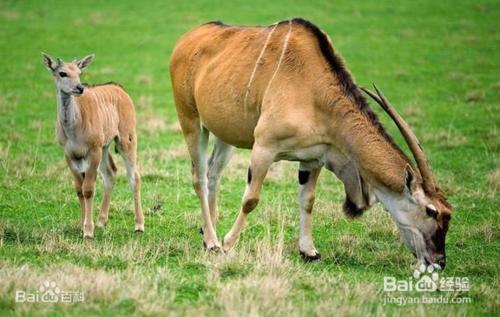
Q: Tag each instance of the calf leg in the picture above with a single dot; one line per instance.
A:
(128, 149)
(108, 172)
(88, 188)
(218, 161)
(307, 182)
(260, 162)
(78, 178)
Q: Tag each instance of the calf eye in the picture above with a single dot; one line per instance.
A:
(63, 74)
(431, 212)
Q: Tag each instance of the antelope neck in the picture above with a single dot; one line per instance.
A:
(67, 111)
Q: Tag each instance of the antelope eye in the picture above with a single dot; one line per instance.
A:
(431, 212)
(63, 74)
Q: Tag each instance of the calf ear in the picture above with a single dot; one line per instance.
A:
(84, 62)
(410, 180)
(49, 62)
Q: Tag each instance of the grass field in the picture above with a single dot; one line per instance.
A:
(438, 62)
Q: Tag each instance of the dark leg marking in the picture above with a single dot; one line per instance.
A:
(303, 177)
(250, 205)
(249, 176)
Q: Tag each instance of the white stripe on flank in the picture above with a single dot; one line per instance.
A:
(249, 84)
(285, 46)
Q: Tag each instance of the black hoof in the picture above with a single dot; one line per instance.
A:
(139, 231)
(308, 258)
(201, 231)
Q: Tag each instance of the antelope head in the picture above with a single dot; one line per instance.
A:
(67, 75)
(421, 211)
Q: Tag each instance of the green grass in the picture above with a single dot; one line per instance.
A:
(438, 62)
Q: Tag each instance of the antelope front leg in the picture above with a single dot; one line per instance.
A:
(88, 188)
(78, 177)
(307, 182)
(260, 162)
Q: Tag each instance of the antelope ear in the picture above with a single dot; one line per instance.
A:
(84, 62)
(410, 179)
(49, 62)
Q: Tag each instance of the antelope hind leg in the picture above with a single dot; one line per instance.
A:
(197, 141)
(218, 161)
(108, 171)
(128, 150)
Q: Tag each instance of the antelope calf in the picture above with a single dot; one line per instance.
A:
(283, 92)
(89, 119)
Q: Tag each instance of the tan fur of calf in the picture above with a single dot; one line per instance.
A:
(89, 119)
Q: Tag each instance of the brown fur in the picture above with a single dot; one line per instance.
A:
(320, 105)
(107, 113)
(283, 92)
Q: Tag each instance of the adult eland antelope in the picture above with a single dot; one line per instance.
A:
(284, 92)
(89, 119)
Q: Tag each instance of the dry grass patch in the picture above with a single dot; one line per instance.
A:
(475, 96)
(449, 138)
(149, 121)
(177, 152)
(407, 33)
(174, 127)
(144, 79)
(494, 181)
(486, 232)
(98, 286)
(256, 296)
(20, 167)
(8, 14)
(493, 139)
(4, 152)
(9, 102)
(153, 124)
(238, 164)
(105, 71)
(456, 75)
(492, 295)
(97, 18)
(144, 102)
(151, 160)
(58, 170)
(413, 113)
